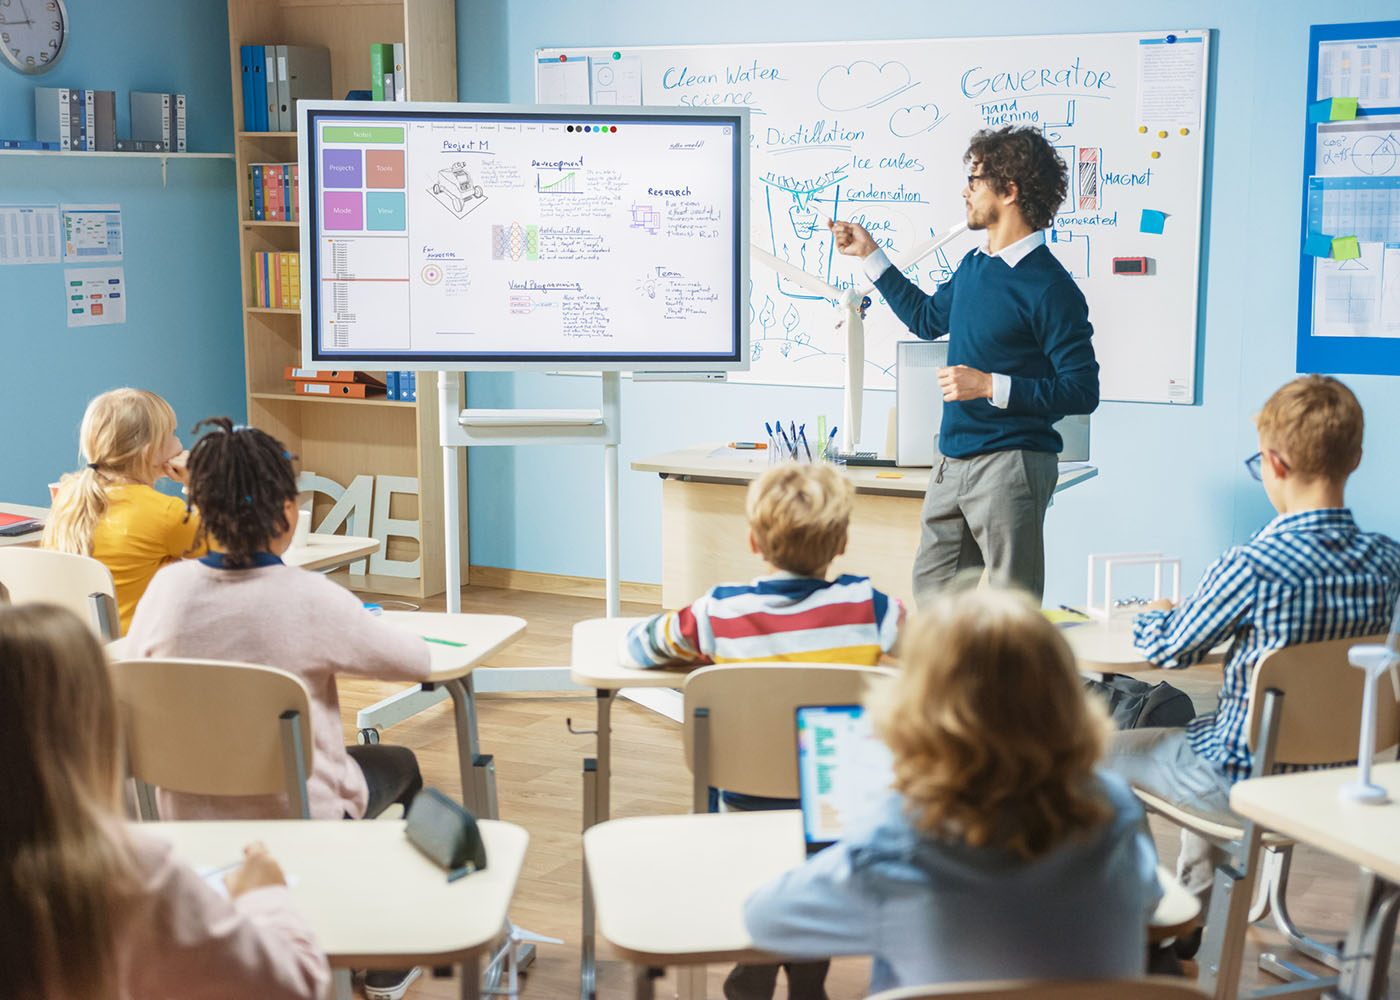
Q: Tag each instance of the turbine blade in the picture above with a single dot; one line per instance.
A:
(794, 273)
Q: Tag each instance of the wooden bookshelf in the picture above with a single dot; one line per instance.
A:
(343, 438)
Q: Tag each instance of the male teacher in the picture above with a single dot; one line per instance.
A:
(1020, 357)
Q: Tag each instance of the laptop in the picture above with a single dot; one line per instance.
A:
(843, 770)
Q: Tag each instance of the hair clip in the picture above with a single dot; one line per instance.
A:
(92, 466)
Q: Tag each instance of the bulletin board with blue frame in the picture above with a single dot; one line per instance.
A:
(1349, 273)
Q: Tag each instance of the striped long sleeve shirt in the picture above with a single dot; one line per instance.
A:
(778, 617)
(1304, 577)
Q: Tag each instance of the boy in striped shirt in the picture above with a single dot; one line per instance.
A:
(1308, 575)
(798, 516)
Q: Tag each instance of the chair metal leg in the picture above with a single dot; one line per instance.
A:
(700, 761)
(146, 801)
(1268, 877)
(342, 988)
(294, 764)
(1366, 958)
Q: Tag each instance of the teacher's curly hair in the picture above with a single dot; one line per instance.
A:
(240, 479)
(1021, 156)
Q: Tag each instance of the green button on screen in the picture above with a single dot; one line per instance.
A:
(362, 133)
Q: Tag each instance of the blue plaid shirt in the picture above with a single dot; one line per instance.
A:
(1303, 577)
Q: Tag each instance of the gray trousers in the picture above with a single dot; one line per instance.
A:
(987, 510)
(1162, 762)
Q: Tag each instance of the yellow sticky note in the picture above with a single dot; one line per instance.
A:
(1343, 109)
(889, 475)
(1345, 248)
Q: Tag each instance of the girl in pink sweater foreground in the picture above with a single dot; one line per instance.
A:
(97, 909)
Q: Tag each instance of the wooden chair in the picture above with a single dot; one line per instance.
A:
(741, 722)
(209, 727)
(1304, 709)
(79, 583)
(1147, 988)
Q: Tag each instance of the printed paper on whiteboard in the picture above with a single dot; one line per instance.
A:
(30, 234)
(1348, 295)
(562, 82)
(617, 81)
(1170, 78)
(92, 233)
(1364, 68)
(94, 296)
(1367, 147)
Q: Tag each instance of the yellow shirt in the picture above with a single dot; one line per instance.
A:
(141, 532)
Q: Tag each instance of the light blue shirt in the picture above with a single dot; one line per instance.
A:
(936, 911)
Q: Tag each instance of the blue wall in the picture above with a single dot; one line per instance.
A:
(1170, 477)
(183, 336)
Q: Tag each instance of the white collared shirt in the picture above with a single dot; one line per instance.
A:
(875, 264)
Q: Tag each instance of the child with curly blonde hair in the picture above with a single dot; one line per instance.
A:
(1002, 852)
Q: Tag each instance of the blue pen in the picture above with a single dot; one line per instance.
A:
(830, 438)
(802, 433)
(787, 448)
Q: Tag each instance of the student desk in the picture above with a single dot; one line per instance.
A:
(458, 644)
(594, 663)
(658, 913)
(1307, 808)
(704, 527)
(407, 914)
(1107, 646)
(326, 552)
(23, 510)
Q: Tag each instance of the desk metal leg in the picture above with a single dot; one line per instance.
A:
(342, 986)
(478, 770)
(588, 961)
(470, 974)
(604, 746)
(1366, 957)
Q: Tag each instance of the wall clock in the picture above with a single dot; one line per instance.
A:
(33, 33)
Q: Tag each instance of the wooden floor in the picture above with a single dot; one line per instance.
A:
(538, 777)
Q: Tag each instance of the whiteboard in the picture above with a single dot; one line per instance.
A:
(490, 237)
(875, 132)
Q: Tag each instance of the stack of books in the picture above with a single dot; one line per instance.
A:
(277, 280)
(343, 385)
(275, 77)
(274, 192)
(387, 77)
(402, 386)
(157, 123)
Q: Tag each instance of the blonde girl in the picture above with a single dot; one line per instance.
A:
(109, 509)
(96, 909)
(1002, 851)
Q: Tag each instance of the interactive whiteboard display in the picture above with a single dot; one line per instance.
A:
(480, 237)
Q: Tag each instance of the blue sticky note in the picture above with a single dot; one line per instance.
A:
(1153, 221)
(1317, 245)
(1320, 111)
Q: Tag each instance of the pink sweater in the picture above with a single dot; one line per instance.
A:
(283, 617)
(182, 939)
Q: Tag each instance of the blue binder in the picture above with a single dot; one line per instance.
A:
(246, 58)
(259, 88)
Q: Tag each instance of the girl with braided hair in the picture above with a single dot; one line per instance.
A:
(241, 602)
(110, 510)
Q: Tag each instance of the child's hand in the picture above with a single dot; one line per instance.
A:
(1161, 604)
(258, 871)
(175, 468)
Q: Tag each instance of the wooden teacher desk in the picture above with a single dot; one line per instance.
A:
(703, 525)
(372, 899)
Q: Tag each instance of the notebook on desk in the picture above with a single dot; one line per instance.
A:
(843, 770)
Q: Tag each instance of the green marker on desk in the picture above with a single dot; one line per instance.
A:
(443, 642)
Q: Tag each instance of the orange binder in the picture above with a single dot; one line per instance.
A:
(345, 390)
(312, 375)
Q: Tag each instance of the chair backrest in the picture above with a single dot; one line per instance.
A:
(79, 583)
(1320, 721)
(1146, 988)
(750, 722)
(210, 727)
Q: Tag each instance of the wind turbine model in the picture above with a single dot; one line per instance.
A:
(850, 313)
(1375, 660)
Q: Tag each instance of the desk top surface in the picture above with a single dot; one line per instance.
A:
(458, 643)
(716, 463)
(1308, 808)
(330, 551)
(23, 510)
(370, 896)
(594, 658)
(657, 912)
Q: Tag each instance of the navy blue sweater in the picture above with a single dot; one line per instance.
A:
(1029, 322)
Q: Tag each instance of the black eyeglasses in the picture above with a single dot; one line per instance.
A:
(972, 179)
(1254, 463)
